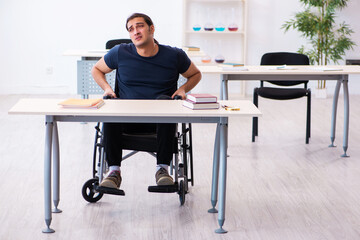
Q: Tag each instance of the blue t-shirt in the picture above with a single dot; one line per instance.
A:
(146, 77)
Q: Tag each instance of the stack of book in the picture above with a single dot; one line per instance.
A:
(201, 101)
(191, 48)
(228, 66)
(82, 103)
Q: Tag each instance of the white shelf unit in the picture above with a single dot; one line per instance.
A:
(230, 44)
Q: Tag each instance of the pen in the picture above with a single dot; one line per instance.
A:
(229, 108)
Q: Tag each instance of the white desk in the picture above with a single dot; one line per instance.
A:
(155, 111)
(85, 54)
(88, 58)
(300, 73)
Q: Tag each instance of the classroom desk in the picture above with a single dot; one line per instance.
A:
(86, 85)
(155, 111)
(299, 73)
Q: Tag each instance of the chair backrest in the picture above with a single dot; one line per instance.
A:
(111, 43)
(281, 58)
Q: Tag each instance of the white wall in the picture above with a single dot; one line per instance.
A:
(34, 34)
(265, 34)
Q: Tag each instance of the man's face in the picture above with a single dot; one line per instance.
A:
(140, 33)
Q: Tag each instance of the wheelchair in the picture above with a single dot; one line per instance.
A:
(181, 166)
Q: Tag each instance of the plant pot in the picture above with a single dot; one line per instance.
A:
(321, 93)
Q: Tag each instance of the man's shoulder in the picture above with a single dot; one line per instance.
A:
(121, 49)
(125, 46)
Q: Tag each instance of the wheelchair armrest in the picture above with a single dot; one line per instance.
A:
(108, 97)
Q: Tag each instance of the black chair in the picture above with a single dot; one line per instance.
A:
(285, 92)
(111, 43)
(144, 142)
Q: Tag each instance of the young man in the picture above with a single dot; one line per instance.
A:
(145, 70)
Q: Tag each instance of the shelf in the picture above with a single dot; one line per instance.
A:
(230, 44)
(195, 53)
(214, 32)
(215, 1)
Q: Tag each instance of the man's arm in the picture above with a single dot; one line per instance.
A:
(193, 76)
(98, 72)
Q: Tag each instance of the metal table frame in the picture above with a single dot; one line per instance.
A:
(52, 157)
(342, 79)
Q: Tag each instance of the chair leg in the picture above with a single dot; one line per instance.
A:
(96, 146)
(255, 119)
(309, 113)
(191, 156)
(308, 117)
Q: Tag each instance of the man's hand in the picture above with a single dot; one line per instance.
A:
(98, 72)
(193, 76)
(180, 92)
(109, 92)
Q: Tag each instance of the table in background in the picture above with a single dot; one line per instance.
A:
(86, 85)
(154, 111)
(298, 73)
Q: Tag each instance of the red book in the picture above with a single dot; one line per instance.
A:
(202, 98)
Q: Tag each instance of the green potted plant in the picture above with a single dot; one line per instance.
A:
(328, 41)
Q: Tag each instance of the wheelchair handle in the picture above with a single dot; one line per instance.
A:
(108, 97)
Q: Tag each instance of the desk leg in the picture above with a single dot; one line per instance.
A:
(85, 96)
(333, 115)
(56, 169)
(47, 174)
(346, 115)
(222, 173)
(215, 173)
(224, 87)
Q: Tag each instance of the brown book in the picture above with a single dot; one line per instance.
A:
(82, 103)
(191, 48)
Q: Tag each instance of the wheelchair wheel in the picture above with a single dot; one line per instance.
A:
(182, 192)
(88, 191)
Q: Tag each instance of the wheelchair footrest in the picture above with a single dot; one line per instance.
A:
(113, 191)
(164, 188)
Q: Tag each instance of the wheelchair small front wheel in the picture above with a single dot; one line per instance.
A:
(88, 190)
(182, 192)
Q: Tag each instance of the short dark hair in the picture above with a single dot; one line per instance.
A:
(146, 18)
